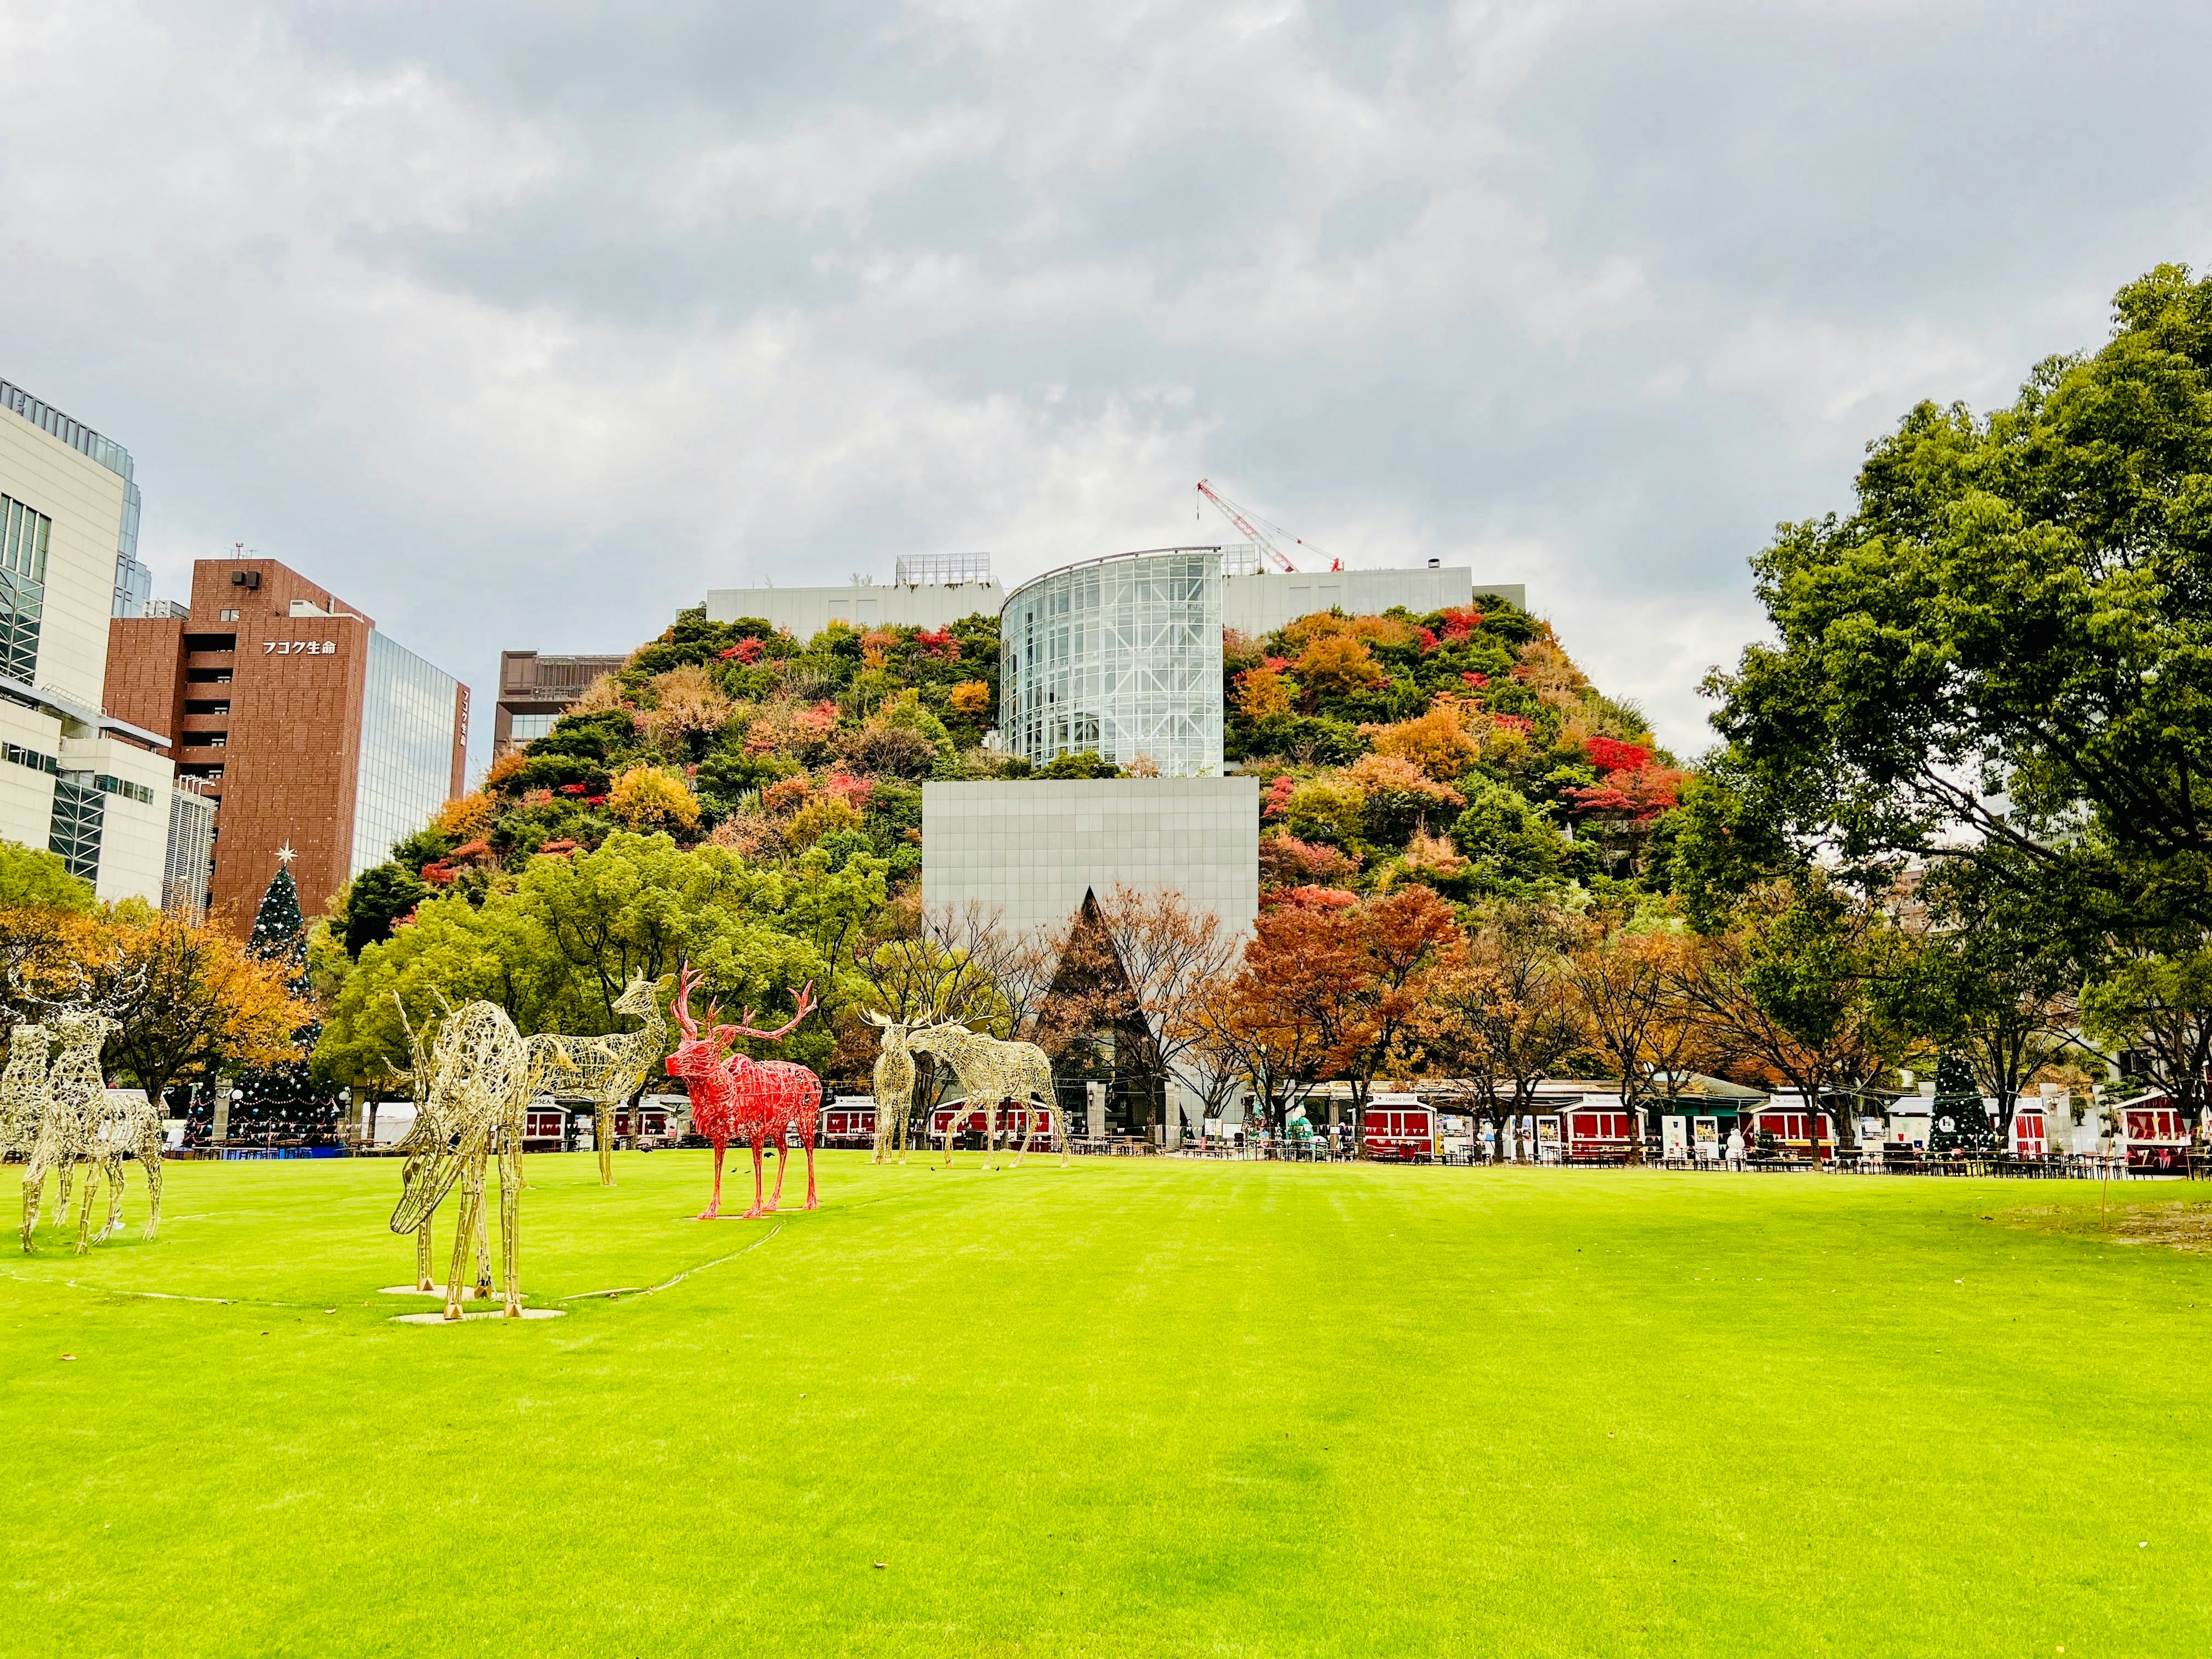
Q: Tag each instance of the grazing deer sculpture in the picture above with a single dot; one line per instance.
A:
(895, 1076)
(603, 1070)
(993, 1072)
(426, 1139)
(478, 1096)
(736, 1098)
(74, 1119)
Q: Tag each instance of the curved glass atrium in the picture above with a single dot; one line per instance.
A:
(1121, 656)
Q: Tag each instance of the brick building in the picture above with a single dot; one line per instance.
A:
(308, 726)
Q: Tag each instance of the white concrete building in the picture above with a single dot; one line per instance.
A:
(94, 790)
(1256, 601)
(1030, 850)
(930, 591)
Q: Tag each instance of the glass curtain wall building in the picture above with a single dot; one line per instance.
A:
(1119, 656)
(406, 750)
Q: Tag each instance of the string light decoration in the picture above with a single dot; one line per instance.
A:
(736, 1098)
(428, 1133)
(23, 1100)
(894, 1084)
(72, 1115)
(119, 1127)
(603, 1070)
(992, 1072)
(477, 1098)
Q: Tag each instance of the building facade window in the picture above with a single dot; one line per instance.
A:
(31, 757)
(407, 740)
(190, 859)
(125, 787)
(74, 834)
(1120, 657)
(24, 534)
(528, 728)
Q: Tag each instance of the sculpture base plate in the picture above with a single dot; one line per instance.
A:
(441, 1319)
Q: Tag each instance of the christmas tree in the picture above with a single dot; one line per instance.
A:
(282, 1103)
(1957, 1121)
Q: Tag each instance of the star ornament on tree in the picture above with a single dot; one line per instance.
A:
(285, 855)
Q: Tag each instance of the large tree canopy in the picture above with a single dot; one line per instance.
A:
(2009, 644)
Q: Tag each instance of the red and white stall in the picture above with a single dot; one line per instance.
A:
(849, 1120)
(1792, 1129)
(1013, 1121)
(1398, 1129)
(2156, 1133)
(1600, 1131)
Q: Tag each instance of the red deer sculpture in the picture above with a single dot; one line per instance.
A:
(736, 1098)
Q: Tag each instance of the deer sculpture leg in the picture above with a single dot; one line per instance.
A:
(422, 1280)
(782, 1163)
(62, 1192)
(714, 1205)
(812, 1201)
(92, 1170)
(759, 1140)
(483, 1246)
(603, 1132)
(34, 1183)
(510, 1207)
(149, 1155)
(473, 1184)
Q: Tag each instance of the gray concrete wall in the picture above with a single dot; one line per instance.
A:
(1029, 850)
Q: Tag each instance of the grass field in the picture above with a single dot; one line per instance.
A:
(1135, 1407)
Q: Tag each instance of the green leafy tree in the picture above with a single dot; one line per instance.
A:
(2007, 645)
(2155, 1005)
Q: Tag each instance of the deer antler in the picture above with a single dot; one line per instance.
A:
(686, 982)
(744, 1027)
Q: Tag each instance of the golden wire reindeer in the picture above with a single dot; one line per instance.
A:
(993, 1072)
(77, 1122)
(603, 1070)
(895, 1076)
(118, 1128)
(478, 1094)
(426, 1135)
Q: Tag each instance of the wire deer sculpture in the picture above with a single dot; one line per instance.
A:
(736, 1098)
(63, 1114)
(477, 1095)
(603, 1070)
(895, 1079)
(992, 1072)
(426, 1139)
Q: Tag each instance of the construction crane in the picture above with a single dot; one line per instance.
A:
(1243, 519)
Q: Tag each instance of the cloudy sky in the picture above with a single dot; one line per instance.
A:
(519, 326)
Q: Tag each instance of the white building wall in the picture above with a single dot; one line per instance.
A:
(85, 502)
(805, 611)
(1260, 605)
(27, 795)
(1029, 850)
(134, 835)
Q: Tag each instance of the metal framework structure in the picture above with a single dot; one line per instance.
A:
(940, 569)
(736, 1098)
(894, 1084)
(1119, 656)
(994, 1072)
(603, 1070)
(478, 1092)
(60, 1114)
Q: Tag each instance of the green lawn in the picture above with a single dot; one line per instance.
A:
(1135, 1407)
